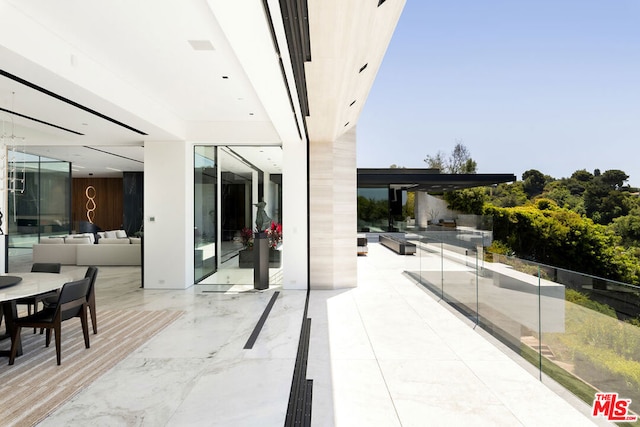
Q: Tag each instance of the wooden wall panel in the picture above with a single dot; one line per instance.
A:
(108, 200)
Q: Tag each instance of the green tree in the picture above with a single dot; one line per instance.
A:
(408, 209)
(603, 198)
(560, 192)
(459, 161)
(582, 175)
(614, 178)
(533, 182)
(628, 228)
(508, 195)
(439, 161)
(469, 200)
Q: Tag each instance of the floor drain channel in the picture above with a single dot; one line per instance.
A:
(256, 331)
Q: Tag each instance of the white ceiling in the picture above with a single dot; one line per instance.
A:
(146, 49)
(138, 64)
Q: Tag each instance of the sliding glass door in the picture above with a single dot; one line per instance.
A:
(231, 183)
(205, 213)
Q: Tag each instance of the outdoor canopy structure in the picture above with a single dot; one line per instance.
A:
(429, 180)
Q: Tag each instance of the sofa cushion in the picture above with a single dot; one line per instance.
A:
(89, 236)
(51, 240)
(113, 241)
(135, 240)
(121, 234)
(77, 240)
(110, 234)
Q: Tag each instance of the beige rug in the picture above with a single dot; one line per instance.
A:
(35, 385)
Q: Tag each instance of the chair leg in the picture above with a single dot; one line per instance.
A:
(35, 308)
(94, 321)
(15, 341)
(58, 338)
(47, 340)
(85, 327)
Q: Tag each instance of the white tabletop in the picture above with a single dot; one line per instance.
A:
(34, 284)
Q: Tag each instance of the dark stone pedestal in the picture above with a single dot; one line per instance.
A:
(260, 261)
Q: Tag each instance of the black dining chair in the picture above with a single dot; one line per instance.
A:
(72, 302)
(40, 267)
(92, 273)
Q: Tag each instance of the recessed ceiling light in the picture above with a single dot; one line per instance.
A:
(225, 77)
(251, 114)
(201, 44)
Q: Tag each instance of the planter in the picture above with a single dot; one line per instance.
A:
(275, 258)
(245, 258)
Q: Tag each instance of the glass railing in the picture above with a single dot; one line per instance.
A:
(580, 330)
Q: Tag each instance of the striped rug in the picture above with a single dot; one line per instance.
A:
(35, 385)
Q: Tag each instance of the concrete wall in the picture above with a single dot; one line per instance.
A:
(430, 208)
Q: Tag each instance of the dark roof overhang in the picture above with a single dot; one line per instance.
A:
(429, 180)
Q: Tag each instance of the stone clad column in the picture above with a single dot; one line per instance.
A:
(333, 212)
(420, 209)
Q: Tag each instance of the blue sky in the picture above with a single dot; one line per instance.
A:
(546, 85)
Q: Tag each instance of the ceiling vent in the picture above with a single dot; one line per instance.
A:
(201, 44)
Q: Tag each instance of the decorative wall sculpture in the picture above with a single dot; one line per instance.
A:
(90, 192)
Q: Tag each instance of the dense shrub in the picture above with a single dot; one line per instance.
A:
(584, 301)
(549, 234)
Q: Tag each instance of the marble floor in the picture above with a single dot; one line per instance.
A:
(386, 353)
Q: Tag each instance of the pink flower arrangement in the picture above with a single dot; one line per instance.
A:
(247, 237)
(274, 234)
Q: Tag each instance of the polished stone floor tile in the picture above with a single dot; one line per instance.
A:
(387, 353)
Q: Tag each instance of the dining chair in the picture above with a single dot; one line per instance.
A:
(92, 273)
(72, 302)
(40, 267)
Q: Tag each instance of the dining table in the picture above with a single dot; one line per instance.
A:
(20, 285)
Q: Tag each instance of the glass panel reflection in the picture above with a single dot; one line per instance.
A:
(205, 217)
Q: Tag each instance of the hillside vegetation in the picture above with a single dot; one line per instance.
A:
(589, 222)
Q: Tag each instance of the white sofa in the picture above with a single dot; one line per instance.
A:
(105, 254)
(80, 249)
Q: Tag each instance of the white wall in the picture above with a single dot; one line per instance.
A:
(430, 208)
(168, 199)
(294, 215)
